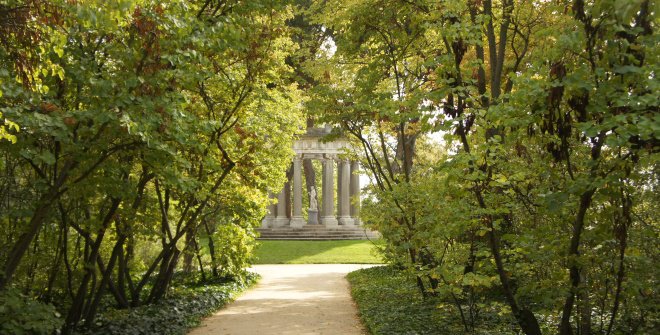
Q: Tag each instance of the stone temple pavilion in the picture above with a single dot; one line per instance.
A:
(340, 220)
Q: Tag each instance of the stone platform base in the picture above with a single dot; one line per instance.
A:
(317, 233)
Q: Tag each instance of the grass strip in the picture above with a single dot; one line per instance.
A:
(317, 252)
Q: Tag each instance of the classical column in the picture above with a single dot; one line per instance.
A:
(267, 222)
(281, 220)
(344, 194)
(339, 186)
(324, 170)
(328, 219)
(355, 192)
(297, 220)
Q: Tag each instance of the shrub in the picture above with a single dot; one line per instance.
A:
(21, 315)
(389, 303)
(184, 308)
(235, 245)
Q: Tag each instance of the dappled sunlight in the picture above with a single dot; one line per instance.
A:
(291, 299)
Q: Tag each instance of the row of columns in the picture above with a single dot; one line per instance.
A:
(348, 188)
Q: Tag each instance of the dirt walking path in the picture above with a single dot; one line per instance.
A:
(291, 299)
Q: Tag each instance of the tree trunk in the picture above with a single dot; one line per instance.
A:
(199, 260)
(565, 327)
(585, 307)
(621, 232)
(41, 213)
(122, 267)
(214, 260)
(188, 252)
(164, 278)
(75, 313)
(90, 314)
(17, 252)
(55, 269)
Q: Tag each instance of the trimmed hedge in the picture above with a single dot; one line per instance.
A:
(390, 303)
(183, 309)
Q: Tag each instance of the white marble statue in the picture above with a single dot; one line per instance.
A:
(312, 199)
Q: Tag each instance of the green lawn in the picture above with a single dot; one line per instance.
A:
(317, 252)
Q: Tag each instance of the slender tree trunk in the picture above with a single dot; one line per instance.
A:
(55, 269)
(23, 244)
(188, 252)
(565, 327)
(121, 280)
(90, 314)
(111, 285)
(41, 213)
(621, 232)
(199, 261)
(585, 307)
(77, 305)
(164, 278)
(124, 232)
(65, 251)
(214, 261)
(525, 317)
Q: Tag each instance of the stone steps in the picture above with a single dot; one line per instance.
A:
(316, 233)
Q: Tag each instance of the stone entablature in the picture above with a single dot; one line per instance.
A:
(310, 146)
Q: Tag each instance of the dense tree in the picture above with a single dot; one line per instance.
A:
(512, 146)
(144, 126)
(548, 115)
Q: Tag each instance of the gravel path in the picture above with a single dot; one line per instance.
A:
(291, 299)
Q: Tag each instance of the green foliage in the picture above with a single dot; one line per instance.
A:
(145, 128)
(235, 247)
(5, 128)
(22, 315)
(176, 314)
(513, 146)
(513, 151)
(389, 303)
